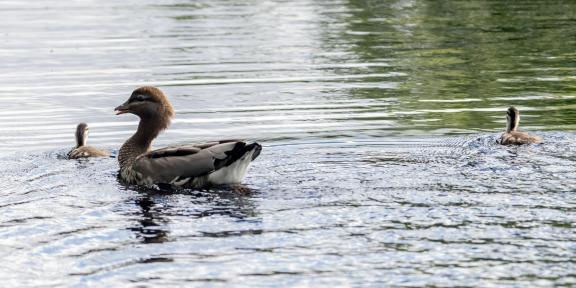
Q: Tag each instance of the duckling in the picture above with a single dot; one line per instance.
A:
(81, 150)
(512, 136)
(187, 166)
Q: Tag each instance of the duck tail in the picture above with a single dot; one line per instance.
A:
(237, 152)
(257, 148)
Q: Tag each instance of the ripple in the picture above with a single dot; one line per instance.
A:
(378, 121)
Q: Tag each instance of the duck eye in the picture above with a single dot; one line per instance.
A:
(139, 98)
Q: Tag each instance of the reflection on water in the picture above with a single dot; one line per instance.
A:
(378, 120)
(149, 230)
(152, 224)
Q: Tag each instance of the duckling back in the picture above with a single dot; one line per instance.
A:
(518, 138)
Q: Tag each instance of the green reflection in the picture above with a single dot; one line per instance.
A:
(464, 62)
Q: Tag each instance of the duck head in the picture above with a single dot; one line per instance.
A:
(148, 103)
(512, 119)
(81, 134)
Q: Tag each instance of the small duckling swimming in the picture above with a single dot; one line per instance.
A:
(512, 136)
(81, 150)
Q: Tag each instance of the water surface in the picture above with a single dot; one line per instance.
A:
(378, 120)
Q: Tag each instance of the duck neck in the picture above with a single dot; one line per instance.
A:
(80, 138)
(140, 142)
(512, 124)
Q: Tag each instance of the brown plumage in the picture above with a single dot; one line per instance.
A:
(194, 165)
(512, 136)
(81, 150)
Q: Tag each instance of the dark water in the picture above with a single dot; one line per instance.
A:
(378, 120)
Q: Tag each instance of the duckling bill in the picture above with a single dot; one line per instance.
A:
(188, 166)
(82, 150)
(512, 136)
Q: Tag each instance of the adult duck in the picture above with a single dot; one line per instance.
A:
(188, 166)
(81, 150)
(512, 136)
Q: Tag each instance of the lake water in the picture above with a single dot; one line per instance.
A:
(378, 121)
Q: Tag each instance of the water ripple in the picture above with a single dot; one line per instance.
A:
(378, 120)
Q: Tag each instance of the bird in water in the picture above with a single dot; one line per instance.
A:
(186, 166)
(81, 150)
(512, 136)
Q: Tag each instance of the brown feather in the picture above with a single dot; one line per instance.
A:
(81, 150)
(512, 136)
(186, 165)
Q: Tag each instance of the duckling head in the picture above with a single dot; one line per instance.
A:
(81, 134)
(148, 103)
(512, 119)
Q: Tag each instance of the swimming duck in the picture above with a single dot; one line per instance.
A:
(512, 136)
(188, 166)
(81, 150)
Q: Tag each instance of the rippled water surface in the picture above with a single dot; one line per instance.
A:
(378, 121)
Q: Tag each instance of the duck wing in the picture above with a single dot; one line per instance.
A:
(519, 138)
(183, 163)
(86, 151)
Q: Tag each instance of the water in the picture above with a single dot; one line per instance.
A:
(378, 120)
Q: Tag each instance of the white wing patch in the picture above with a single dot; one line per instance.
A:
(233, 173)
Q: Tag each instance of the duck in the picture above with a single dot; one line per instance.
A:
(222, 162)
(512, 136)
(81, 150)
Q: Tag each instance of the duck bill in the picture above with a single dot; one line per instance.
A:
(121, 109)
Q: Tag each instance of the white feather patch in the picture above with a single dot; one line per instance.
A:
(233, 173)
